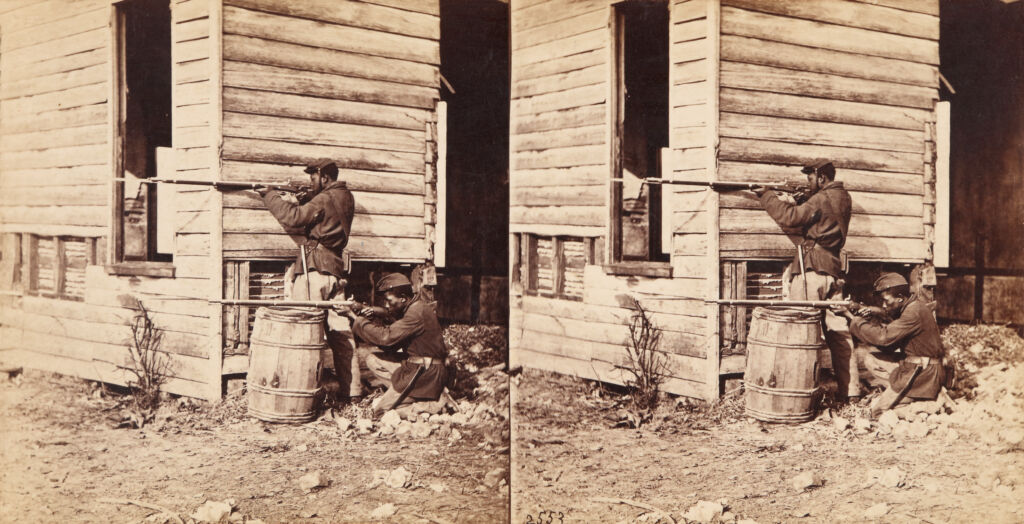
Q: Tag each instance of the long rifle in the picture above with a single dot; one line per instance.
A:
(717, 185)
(221, 185)
(324, 304)
(783, 303)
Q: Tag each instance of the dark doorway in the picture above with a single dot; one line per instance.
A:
(475, 64)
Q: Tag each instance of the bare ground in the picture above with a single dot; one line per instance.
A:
(63, 461)
(568, 461)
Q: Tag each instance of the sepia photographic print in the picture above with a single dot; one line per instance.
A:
(513, 261)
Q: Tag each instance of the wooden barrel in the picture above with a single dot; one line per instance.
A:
(284, 364)
(781, 379)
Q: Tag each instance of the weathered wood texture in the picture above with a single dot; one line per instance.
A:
(849, 81)
(353, 81)
(54, 143)
(559, 152)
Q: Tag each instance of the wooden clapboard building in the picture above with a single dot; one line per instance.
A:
(95, 90)
(606, 94)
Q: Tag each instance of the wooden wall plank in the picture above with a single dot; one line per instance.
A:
(62, 137)
(597, 74)
(776, 80)
(862, 203)
(254, 150)
(737, 125)
(270, 52)
(594, 195)
(828, 36)
(802, 58)
(566, 137)
(851, 14)
(366, 203)
(565, 215)
(261, 221)
(278, 104)
(861, 248)
(58, 47)
(325, 85)
(573, 176)
(852, 179)
(357, 180)
(243, 245)
(241, 125)
(351, 13)
(551, 13)
(757, 221)
(591, 115)
(786, 153)
(580, 23)
(581, 43)
(574, 97)
(820, 109)
(560, 157)
(557, 65)
(315, 33)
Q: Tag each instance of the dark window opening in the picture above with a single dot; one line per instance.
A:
(143, 109)
(641, 113)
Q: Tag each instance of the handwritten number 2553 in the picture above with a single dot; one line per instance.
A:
(546, 517)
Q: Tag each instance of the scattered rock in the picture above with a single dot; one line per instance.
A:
(455, 436)
(952, 435)
(308, 513)
(861, 425)
(807, 479)
(889, 419)
(422, 429)
(798, 447)
(312, 480)
(364, 425)
(704, 512)
(893, 478)
(877, 511)
(384, 511)
(494, 477)
(901, 429)
(918, 430)
(302, 448)
(840, 423)
(1003, 490)
(746, 521)
(403, 428)
(343, 424)
(398, 478)
(212, 511)
(437, 487)
(801, 513)
(391, 419)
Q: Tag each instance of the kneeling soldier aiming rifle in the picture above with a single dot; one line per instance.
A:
(410, 360)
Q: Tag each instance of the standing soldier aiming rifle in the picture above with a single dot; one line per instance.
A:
(816, 273)
(323, 217)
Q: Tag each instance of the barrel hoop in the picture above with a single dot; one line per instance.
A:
(285, 345)
(768, 344)
(779, 417)
(284, 392)
(780, 392)
(278, 417)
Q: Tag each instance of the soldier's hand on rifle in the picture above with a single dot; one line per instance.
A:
(345, 311)
(262, 190)
(759, 190)
(842, 311)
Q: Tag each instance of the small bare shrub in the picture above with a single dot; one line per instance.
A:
(148, 367)
(648, 368)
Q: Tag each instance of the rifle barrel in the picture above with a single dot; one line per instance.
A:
(326, 304)
(783, 303)
(716, 185)
(218, 184)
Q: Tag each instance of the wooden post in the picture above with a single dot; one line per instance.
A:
(711, 391)
(59, 267)
(216, 285)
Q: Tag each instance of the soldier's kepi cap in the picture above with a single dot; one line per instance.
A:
(324, 166)
(889, 281)
(391, 281)
(821, 167)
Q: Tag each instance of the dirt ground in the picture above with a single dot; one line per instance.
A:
(571, 465)
(62, 459)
